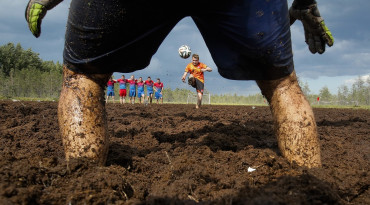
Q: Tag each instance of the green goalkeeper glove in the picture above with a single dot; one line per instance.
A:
(35, 12)
(316, 32)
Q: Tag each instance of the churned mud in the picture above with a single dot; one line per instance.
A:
(174, 154)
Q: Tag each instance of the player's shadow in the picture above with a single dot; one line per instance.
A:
(341, 122)
(227, 137)
(233, 136)
(300, 189)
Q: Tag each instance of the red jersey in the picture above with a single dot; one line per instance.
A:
(121, 80)
(140, 85)
(132, 84)
(111, 82)
(158, 86)
(149, 83)
(122, 83)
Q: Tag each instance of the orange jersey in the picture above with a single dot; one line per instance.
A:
(196, 70)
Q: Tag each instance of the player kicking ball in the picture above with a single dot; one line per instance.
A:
(196, 70)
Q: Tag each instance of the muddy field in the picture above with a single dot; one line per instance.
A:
(174, 154)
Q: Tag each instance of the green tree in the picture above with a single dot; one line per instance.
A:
(325, 94)
(168, 95)
(24, 74)
(16, 58)
(343, 94)
(360, 91)
(306, 89)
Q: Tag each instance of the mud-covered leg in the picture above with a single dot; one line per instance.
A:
(82, 116)
(294, 121)
(199, 100)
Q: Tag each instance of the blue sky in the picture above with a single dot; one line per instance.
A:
(348, 59)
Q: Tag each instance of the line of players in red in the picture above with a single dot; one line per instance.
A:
(152, 87)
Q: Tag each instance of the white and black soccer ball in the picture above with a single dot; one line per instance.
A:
(184, 51)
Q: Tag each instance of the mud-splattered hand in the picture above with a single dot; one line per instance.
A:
(35, 12)
(317, 33)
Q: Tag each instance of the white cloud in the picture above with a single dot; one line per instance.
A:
(364, 78)
(342, 45)
(358, 59)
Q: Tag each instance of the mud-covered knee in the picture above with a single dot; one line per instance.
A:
(73, 79)
(269, 87)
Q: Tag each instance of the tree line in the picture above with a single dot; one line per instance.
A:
(24, 74)
(357, 94)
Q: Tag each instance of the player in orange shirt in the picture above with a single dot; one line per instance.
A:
(196, 70)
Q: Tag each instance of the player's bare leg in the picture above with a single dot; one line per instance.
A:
(199, 100)
(82, 116)
(294, 121)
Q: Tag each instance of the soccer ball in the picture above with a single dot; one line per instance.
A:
(184, 51)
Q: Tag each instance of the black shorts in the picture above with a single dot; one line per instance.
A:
(199, 85)
(248, 39)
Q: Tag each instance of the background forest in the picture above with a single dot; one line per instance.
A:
(23, 74)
